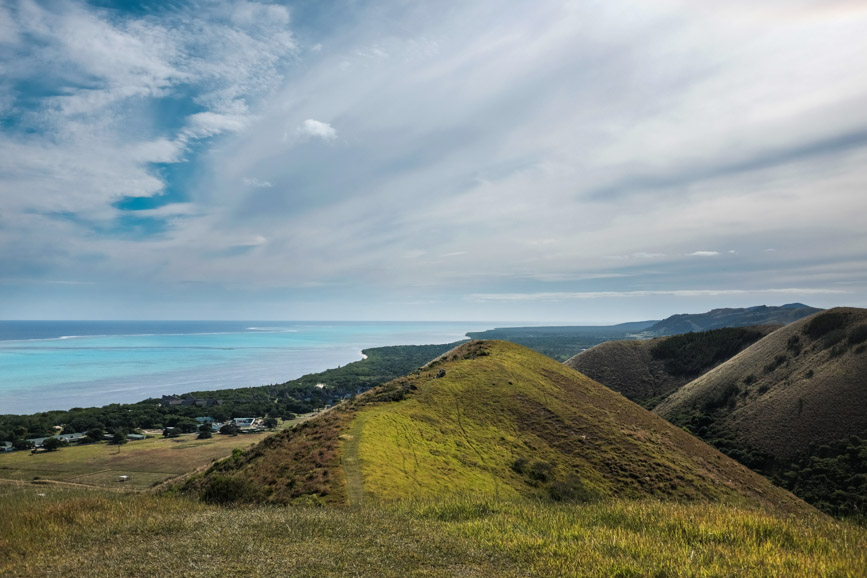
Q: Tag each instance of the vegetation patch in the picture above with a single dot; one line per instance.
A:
(691, 354)
(826, 322)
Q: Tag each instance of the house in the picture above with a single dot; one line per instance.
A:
(72, 437)
(6, 447)
(135, 436)
(244, 422)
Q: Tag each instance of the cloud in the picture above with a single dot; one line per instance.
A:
(566, 296)
(97, 126)
(560, 145)
(315, 128)
(256, 183)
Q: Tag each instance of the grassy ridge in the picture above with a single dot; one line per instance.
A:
(492, 419)
(497, 419)
(141, 535)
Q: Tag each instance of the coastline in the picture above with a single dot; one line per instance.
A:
(51, 374)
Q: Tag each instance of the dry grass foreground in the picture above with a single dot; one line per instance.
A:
(110, 535)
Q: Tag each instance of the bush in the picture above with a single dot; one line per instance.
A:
(727, 397)
(540, 471)
(826, 322)
(222, 489)
(858, 335)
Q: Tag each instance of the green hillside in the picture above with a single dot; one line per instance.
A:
(491, 419)
(646, 371)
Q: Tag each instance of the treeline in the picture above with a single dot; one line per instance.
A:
(300, 395)
(691, 354)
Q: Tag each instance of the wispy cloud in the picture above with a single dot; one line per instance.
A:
(564, 296)
(429, 155)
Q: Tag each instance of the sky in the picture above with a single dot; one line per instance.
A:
(546, 161)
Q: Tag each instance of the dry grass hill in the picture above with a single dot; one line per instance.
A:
(646, 371)
(802, 384)
(489, 419)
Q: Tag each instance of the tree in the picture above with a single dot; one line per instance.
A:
(270, 422)
(118, 437)
(230, 429)
(93, 435)
(20, 444)
(171, 432)
(204, 431)
(51, 444)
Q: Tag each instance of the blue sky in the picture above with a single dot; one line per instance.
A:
(556, 161)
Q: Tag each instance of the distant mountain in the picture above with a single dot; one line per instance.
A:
(794, 404)
(717, 318)
(647, 370)
(489, 419)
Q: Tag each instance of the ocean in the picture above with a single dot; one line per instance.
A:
(46, 365)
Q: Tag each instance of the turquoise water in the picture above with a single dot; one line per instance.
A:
(59, 365)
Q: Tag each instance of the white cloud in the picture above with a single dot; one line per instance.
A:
(565, 296)
(315, 128)
(96, 138)
(256, 183)
(703, 254)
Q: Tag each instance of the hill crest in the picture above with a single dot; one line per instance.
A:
(497, 419)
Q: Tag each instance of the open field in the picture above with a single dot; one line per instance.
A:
(146, 462)
(146, 535)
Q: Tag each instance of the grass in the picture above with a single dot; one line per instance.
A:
(146, 535)
(147, 462)
(507, 422)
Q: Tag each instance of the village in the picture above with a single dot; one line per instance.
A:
(206, 426)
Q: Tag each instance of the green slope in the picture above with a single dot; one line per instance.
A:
(492, 419)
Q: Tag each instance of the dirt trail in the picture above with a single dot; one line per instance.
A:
(351, 465)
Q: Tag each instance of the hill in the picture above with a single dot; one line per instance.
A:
(489, 419)
(645, 371)
(796, 394)
(743, 317)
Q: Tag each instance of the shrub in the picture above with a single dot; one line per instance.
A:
(222, 489)
(519, 465)
(540, 471)
(858, 335)
(826, 322)
(727, 397)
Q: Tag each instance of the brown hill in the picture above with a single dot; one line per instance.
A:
(802, 384)
(647, 370)
(490, 418)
